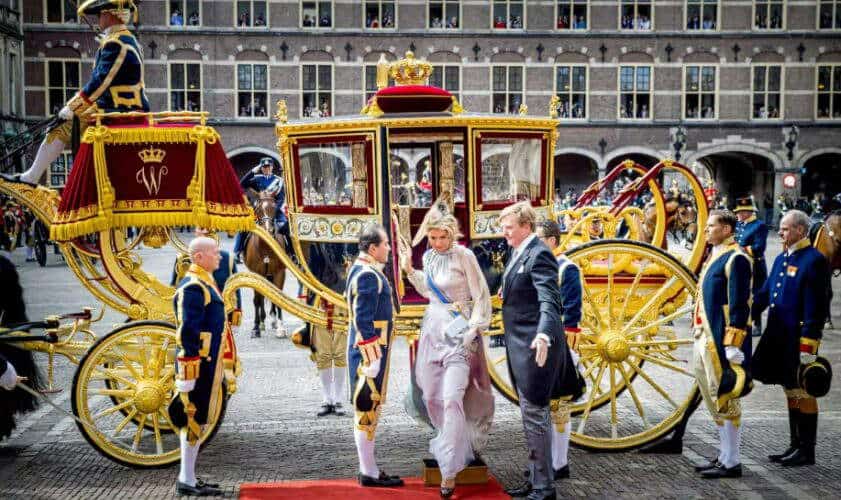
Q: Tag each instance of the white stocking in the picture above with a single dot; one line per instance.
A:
(339, 385)
(365, 451)
(47, 153)
(733, 433)
(189, 453)
(560, 446)
(326, 376)
(723, 447)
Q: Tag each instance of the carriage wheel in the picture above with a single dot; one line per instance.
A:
(123, 387)
(636, 345)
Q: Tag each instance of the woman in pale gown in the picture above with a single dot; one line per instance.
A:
(451, 372)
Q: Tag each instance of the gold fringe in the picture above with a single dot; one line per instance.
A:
(140, 135)
(71, 230)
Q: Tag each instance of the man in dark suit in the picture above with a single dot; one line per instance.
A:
(534, 339)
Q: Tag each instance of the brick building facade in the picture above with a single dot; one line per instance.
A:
(11, 75)
(749, 91)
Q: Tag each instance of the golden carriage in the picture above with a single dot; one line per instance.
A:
(411, 145)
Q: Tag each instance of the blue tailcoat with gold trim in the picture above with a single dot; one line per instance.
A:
(200, 322)
(795, 295)
(117, 80)
(569, 384)
(723, 307)
(752, 236)
(368, 295)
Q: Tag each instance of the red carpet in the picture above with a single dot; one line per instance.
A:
(347, 489)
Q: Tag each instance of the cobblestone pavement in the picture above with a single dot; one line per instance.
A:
(271, 432)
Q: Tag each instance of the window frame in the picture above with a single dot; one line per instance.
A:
(68, 93)
(12, 60)
(507, 90)
(832, 93)
(508, 12)
(443, 67)
(317, 27)
(301, 90)
(169, 89)
(572, 4)
(236, 15)
(703, 3)
(836, 12)
(237, 90)
(635, 92)
(186, 25)
(716, 92)
(586, 67)
(63, 6)
(636, 10)
(67, 156)
(769, 2)
(767, 66)
(444, 28)
(364, 3)
(365, 90)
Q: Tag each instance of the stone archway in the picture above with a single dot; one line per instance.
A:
(245, 158)
(739, 173)
(822, 178)
(574, 170)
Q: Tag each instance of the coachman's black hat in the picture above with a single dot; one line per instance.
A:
(745, 203)
(816, 377)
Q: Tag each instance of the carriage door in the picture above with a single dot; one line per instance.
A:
(335, 194)
(508, 167)
(423, 165)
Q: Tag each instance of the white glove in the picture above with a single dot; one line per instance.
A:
(541, 348)
(372, 370)
(185, 385)
(806, 358)
(9, 379)
(66, 113)
(256, 169)
(734, 354)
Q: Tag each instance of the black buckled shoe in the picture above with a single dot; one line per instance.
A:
(384, 481)
(326, 409)
(198, 490)
(562, 473)
(539, 495)
(201, 482)
(709, 464)
(337, 410)
(519, 491)
(722, 472)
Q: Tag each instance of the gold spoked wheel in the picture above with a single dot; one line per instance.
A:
(123, 387)
(635, 348)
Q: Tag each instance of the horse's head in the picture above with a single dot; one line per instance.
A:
(264, 209)
(827, 240)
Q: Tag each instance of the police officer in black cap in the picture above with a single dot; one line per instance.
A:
(752, 236)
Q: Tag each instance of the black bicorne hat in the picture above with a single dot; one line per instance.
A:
(816, 377)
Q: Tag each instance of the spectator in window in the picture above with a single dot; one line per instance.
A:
(563, 22)
(626, 22)
(325, 22)
(776, 22)
(453, 23)
(375, 23)
(260, 21)
(709, 24)
(325, 109)
(499, 22)
(580, 23)
(307, 22)
(759, 22)
(194, 19)
(516, 22)
(643, 113)
(645, 23)
(176, 19)
(436, 22)
(388, 20)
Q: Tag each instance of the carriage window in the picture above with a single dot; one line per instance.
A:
(511, 169)
(335, 174)
(411, 174)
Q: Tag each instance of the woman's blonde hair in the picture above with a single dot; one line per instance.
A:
(438, 217)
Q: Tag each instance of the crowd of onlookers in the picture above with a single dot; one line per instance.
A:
(16, 228)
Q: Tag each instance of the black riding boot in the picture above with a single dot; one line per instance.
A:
(793, 421)
(805, 454)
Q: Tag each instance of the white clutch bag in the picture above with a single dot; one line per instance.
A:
(456, 328)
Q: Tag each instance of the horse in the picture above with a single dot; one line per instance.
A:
(826, 238)
(259, 258)
(681, 217)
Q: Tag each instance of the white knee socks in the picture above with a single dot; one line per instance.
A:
(326, 375)
(189, 453)
(365, 451)
(47, 153)
(560, 446)
(339, 385)
(732, 436)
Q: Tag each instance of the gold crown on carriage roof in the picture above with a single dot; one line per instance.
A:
(152, 155)
(410, 71)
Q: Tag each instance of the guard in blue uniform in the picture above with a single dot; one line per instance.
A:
(200, 319)
(260, 178)
(722, 347)
(570, 384)
(116, 83)
(752, 235)
(368, 296)
(795, 295)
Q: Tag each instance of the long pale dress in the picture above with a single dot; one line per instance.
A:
(453, 378)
